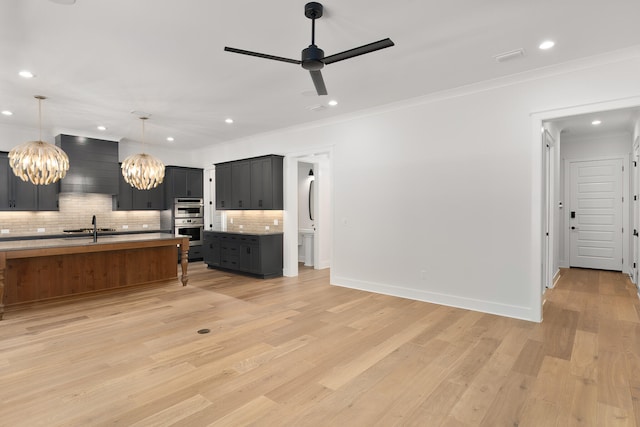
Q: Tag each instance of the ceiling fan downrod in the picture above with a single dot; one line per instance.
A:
(313, 10)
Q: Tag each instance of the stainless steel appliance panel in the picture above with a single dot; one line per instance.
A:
(188, 208)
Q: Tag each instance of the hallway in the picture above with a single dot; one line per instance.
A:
(591, 342)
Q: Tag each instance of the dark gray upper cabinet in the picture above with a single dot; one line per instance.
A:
(182, 182)
(18, 195)
(266, 183)
(241, 185)
(223, 186)
(25, 194)
(5, 196)
(123, 201)
(149, 199)
(130, 198)
(93, 165)
(48, 197)
(250, 184)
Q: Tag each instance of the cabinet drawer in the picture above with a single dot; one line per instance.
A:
(230, 262)
(230, 247)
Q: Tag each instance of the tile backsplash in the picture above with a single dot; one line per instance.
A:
(254, 221)
(76, 210)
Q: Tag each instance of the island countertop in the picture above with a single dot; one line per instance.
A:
(37, 270)
(85, 241)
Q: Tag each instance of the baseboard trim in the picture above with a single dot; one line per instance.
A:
(324, 263)
(555, 279)
(514, 311)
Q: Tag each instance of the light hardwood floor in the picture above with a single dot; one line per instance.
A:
(299, 352)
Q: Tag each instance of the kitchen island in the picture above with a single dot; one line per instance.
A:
(37, 270)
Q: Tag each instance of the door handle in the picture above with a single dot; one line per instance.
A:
(574, 228)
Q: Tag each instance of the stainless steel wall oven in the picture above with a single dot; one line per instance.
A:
(188, 208)
(186, 218)
(192, 227)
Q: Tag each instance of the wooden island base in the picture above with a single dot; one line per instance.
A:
(36, 274)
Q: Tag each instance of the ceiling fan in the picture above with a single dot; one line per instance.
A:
(313, 58)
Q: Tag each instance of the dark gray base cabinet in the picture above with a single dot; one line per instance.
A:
(256, 254)
(195, 253)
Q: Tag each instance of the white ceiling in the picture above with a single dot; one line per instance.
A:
(98, 60)
(611, 122)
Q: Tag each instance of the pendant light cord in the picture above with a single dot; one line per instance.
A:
(40, 98)
(40, 117)
(144, 143)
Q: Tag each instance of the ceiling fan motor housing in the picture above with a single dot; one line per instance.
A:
(312, 58)
(313, 10)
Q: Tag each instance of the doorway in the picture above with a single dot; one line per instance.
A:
(595, 213)
(308, 196)
(623, 113)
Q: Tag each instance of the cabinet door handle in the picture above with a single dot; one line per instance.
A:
(240, 203)
(260, 203)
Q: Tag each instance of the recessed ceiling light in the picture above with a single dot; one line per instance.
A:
(547, 44)
(228, 121)
(7, 113)
(170, 139)
(596, 122)
(333, 103)
(26, 74)
(102, 128)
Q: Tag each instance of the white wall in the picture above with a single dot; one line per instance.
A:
(433, 198)
(595, 146)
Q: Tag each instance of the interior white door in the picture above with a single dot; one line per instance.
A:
(595, 214)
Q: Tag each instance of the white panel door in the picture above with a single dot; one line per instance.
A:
(595, 223)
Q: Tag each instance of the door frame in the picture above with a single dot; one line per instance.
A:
(548, 229)
(537, 120)
(635, 211)
(320, 157)
(626, 224)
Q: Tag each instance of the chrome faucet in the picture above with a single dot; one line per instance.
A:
(95, 229)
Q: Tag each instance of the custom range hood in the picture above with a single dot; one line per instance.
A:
(93, 165)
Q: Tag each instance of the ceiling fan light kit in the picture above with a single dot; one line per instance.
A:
(312, 57)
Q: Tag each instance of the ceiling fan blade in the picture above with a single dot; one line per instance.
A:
(371, 47)
(318, 82)
(262, 55)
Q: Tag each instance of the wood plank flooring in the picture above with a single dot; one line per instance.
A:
(299, 352)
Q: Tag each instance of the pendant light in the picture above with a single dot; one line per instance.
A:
(143, 171)
(40, 162)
